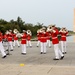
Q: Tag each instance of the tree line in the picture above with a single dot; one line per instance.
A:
(20, 25)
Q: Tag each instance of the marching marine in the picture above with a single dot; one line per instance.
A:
(29, 34)
(38, 37)
(49, 35)
(55, 42)
(23, 42)
(15, 38)
(1, 46)
(9, 39)
(43, 40)
(63, 33)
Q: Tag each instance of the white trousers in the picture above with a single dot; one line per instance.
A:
(29, 43)
(38, 42)
(2, 49)
(10, 45)
(49, 43)
(58, 53)
(43, 47)
(16, 42)
(5, 44)
(63, 46)
(23, 48)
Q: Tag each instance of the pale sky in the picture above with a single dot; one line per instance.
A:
(59, 12)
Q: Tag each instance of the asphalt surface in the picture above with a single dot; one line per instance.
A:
(34, 63)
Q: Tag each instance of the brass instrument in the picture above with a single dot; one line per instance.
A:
(18, 34)
(63, 29)
(29, 32)
(43, 30)
(15, 31)
(49, 28)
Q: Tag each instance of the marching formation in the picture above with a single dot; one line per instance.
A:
(10, 39)
(45, 36)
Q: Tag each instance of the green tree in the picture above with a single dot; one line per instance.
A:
(20, 23)
(3, 22)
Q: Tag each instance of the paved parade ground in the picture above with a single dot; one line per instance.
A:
(34, 63)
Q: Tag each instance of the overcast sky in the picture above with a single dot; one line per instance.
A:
(59, 12)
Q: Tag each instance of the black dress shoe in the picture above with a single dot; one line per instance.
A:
(41, 53)
(65, 52)
(7, 54)
(37, 46)
(11, 50)
(23, 53)
(55, 59)
(44, 53)
(18, 46)
(61, 57)
(7, 50)
(4, 56)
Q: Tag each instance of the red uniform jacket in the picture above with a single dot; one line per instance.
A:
(63, 36)
(9, 37)
(48, 35)
(5, 36)
(38, 36)
(0, 38)
(28, 37)
(15, 37)
(43, 37)
(54, 36)
(23, 41)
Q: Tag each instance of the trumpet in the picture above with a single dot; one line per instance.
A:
(49, 30)
(50, 26)
(19, 35)
(63, 30)
(15, 31)
(29, 32)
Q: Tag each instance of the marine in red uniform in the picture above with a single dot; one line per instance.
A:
(63, 33)
(9, 39)
(5, 41)
(49, 35)
(1, 46)
(23, 42)
(16, 38)
(38, 37)
(48, 38)
(55, 41)
(43, 40)
(29, 34)
(1, 35)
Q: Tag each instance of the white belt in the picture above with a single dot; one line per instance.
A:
(63, 36)
(9, 37)
(54, 37)
(23, 39)
(43, 37)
